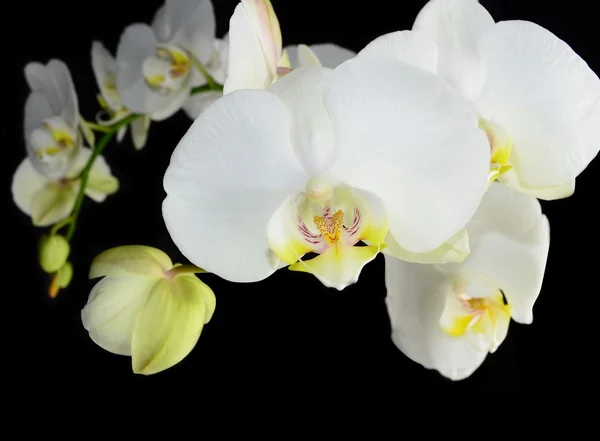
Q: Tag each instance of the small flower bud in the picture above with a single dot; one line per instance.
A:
(53, 252)
(64, 275)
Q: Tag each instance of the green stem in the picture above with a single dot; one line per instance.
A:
(61, 224)
(210, 81)
(98, 127)
(84, 176)
(110, 131)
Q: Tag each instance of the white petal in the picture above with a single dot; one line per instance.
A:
(139, 132)
(193, 22)
(196, 104)
(409, 46)
(161, 25)
(37, 108)
(306, 57)
(247, 67)
(510, 239)
(55, 82)
(456, 249)
(456, 26)
(331, 55)
(105, 70)
(173, 103)
(26, 183)
(414, 142)
(415, 300)
(112, 311)
(546, 98)
(560, 191)
(302, 93)
(137, 43)
(227, 176)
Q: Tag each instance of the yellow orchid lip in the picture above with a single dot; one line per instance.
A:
(465, 316)
(500, 147)
(167, 69)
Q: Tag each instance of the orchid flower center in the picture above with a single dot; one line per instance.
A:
(54, 137)
(501, 147)
(167, 70)
(329, 221)
(476, 311)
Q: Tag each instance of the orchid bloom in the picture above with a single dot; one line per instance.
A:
(46, 183)
(449, 317)
(257, 58)
(538, 101)
(48, 201)
(146, 307)
(373, 152)
(105, 71)
(155, 65)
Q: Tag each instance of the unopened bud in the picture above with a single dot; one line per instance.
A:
(53, 252)
(64, 275)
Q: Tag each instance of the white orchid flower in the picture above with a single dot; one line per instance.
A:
(538, 101)
(45, 184)
(321, 161)
(257, 58)
(449, 317)
(155, 65)
(146, 308)
(105, 71)
(47, 200)
(52, 121)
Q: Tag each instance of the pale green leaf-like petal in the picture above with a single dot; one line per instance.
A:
(112, 310)
(26, 182)
(131, 260)
(52, 203)
(169, 324)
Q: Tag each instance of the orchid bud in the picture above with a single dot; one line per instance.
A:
(53, 252)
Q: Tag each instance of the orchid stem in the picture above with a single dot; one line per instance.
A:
(85, 174)
(109, 132)
(60, 225)
(98, 127)
(210, 81)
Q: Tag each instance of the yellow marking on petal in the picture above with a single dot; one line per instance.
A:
(291, 251)
(480, 314)
(339, 266)
(330, 227)
(156, 80)
(500, 146)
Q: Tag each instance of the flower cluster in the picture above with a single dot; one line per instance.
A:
(431, 146)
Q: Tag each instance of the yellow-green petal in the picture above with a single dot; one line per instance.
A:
(52, 203)
(169, 324)
(101, 183)
(131, 260)
(112, 310)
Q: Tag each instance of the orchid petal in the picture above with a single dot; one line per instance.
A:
(411, 140)
(228, 175)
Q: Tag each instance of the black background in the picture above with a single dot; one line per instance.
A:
(288, 333)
